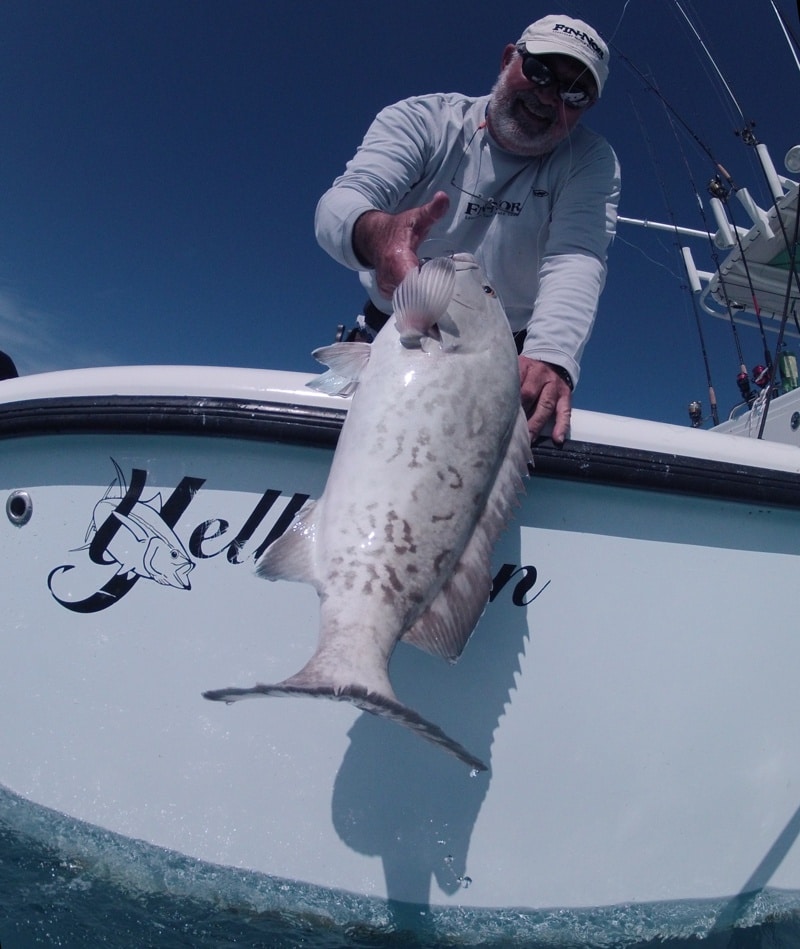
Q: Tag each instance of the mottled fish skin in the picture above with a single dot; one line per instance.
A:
(426, 472)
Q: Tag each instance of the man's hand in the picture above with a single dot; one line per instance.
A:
(388, 242)
(545, 395)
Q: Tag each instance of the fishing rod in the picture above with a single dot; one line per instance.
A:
(791, 39)
(722, 191)
(775, 190)
(674, 112)
(722, 174)
(718, 190)
(794, 46)
(746, 132)
(695, 411)
(710, 58)
(787, 298)
(721, 186)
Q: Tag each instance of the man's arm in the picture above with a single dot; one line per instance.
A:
(391, 159)
(571, 277)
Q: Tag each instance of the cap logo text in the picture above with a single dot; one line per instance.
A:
(579, 35)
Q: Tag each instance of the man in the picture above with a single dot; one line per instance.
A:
(512, 178)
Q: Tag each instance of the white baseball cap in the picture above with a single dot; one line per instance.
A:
(569, 37)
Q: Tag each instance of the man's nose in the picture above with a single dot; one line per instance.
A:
(549, 94)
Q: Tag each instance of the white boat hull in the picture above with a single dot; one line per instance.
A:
(632, 686)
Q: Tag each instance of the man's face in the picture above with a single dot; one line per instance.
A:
(527, 119)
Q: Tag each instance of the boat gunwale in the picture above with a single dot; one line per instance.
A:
(317, 426)
(162, 415)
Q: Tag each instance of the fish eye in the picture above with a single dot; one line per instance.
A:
(488, 290)
(174, 554)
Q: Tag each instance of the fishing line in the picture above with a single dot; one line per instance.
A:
(718, 190)
(791, 39)
(712, 246)
(707, 83)
(728, 102)
(679, 118)
(723, 194)
(722, 174)
(647, 257)
(752, 141)
(652, 87)
(579, 14)
(619, 21)
(710, 58)
(703, 347)
(743, 128)
(722, 185)
(787, 298)
(748, 137)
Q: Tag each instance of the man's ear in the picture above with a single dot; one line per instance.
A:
(508, 55)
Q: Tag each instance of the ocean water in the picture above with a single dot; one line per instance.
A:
(68, 885)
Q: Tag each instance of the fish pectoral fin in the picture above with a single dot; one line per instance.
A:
(445, 627)
(362, 698)
(421, 299)
(346, 362)
(291, 556)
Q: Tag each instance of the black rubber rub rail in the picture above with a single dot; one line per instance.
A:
(315, 426)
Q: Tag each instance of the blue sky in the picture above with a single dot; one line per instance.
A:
(161, 162)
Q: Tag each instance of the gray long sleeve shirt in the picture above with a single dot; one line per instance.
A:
(539, 227)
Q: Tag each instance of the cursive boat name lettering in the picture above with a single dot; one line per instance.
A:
(139, 537)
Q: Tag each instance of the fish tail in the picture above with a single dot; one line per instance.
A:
(377, 703)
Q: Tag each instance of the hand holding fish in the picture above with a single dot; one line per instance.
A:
(545, 395)
(388, 242)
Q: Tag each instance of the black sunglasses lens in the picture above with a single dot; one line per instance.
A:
(576, 100)
(535, 71)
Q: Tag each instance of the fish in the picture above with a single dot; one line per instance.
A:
(144, 545)
(427, 471)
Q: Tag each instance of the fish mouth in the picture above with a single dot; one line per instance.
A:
(182, 575)
(464, 261)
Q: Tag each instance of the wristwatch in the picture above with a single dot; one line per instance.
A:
(562, 372)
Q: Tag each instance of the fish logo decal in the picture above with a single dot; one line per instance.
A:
(142, 543)
(139, 537)
(427, 470)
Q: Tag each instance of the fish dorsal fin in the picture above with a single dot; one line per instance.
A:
(119, 481)
(422, 297)
(291, 556)
(444, 628)
(346, 362)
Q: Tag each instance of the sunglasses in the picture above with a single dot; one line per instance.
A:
(540, 74)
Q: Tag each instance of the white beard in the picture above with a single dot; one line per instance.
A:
(514, 129)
